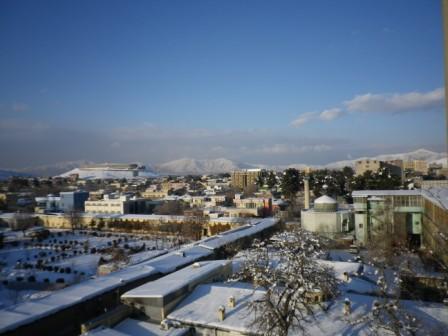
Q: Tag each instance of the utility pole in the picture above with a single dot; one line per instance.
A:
(445, 48)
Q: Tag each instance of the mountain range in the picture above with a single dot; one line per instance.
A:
(215, 166)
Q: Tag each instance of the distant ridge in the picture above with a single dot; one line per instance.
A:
(419, 154)
(199, 167)
(187, 166)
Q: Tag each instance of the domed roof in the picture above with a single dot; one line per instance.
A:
(325, 200)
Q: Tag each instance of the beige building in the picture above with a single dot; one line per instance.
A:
(120, 206)
(361, 166)
(243, 178)
(107, 205)
(418, 166)
(154, 194)
(261, 204)
(395, 166)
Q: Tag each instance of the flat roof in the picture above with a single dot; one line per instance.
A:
(14, 316)
(176, 280)
(201, 306)
(367, 193)
(231, 236)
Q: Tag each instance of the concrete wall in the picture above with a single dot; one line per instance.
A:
(67, 322)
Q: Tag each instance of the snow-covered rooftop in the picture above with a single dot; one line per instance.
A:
(233, 235)
(171, 261)
(137, 328)
(325, 200)
(437, 195)
(27, 312)
(24, 313)
(177, 280)
(201, 306)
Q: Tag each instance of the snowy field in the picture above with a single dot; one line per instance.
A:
(31, 268)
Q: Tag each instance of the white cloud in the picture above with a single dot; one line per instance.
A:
(371, 103)
(395, 103)
(330, 114)
(303, 119)
(325, 115)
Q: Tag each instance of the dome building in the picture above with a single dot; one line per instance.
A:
(326, 218)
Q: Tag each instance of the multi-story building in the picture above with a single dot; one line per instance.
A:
(120, 205)
(361, 166)
(50, 203)
(417, 166)
(154, 193)
(244, 178)
(417, 217)
(435, 222)
(73, 200)
(398, 212)
(261, 206)
(395, 166)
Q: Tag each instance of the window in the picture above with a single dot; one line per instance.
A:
(361, 225)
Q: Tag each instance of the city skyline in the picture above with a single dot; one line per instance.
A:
(274, 83)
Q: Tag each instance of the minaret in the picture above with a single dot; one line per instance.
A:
(306, 189)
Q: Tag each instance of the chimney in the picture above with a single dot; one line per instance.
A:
(221, 313)
(347, 307)
(306, 187)
(231, 302)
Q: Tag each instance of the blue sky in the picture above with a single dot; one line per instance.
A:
(255, 81)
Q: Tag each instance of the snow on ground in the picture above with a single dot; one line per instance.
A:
(341, 255)
(85, 263)
(140, 257)
(30, 266)
(432, 317)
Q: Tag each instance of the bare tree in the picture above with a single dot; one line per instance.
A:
(387, 313)
(74, 219)
(192, 227)
(22, 221)
(295, 283)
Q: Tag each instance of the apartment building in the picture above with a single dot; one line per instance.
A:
(120, 205)
(361, 166)
(417, 166)
(417, 217)
(243, 178)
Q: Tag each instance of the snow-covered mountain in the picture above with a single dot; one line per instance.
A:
(192, 166)
(187, 166)
(419, 154)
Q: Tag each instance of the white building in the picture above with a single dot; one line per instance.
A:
(326, 218)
